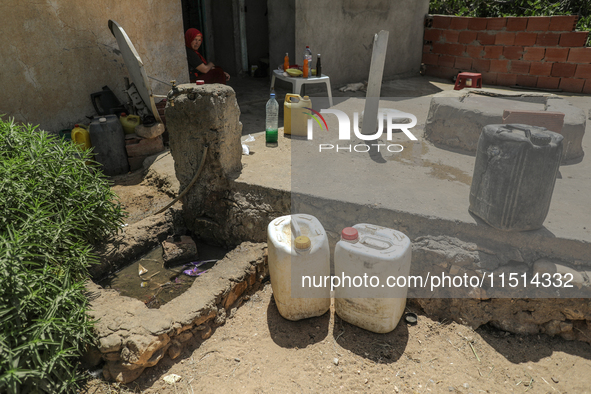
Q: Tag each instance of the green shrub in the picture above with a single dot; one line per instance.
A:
(53, 208)
(486, 8)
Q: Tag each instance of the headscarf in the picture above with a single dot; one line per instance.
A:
(190, 36)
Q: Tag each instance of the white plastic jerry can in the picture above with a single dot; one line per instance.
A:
(367, 260)
(299, 258)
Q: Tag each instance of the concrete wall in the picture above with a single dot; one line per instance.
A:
(282, 22)
(54, 54)
(343, 30)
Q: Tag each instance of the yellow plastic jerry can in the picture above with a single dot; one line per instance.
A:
(129, 122)
(81, 137)
(295, 114)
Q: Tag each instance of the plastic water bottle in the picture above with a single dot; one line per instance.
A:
(308, 63)
(272, 119)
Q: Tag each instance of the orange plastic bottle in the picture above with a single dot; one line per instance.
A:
(285, 62)
(306, 67)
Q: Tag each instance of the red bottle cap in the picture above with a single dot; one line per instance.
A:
(349, 233)
(123, 114)
(200, 82)
(76, 125)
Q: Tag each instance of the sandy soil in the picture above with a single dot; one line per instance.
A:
(257, 351)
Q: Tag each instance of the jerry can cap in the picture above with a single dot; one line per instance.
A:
(302, 242)
(349, 234)
(200, 82)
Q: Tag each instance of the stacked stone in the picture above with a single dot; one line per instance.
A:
(145, 142)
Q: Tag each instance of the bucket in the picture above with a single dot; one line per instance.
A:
(129, 122)
(298, 247)
(81, 137)
(108, 139)
(367, 251)
(514, 175)
(295, 114)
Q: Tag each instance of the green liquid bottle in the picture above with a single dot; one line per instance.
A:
(272, 121)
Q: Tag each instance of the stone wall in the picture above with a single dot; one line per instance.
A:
(55, 54)
(541, 51)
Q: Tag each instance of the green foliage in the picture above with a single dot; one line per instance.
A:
(501, 8)
(52, 209)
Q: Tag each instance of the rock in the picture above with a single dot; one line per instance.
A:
(172, 378)
(236, 292)
(221, 317)
(139, 349)
(206, 333)
(178, 249)
(143, 146)
(175, 349)
(122, 372)
(184, 336)
(335, 361)
(111, 343)
(150, 132)
(544, 266)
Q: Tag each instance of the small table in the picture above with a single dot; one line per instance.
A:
(297, 82)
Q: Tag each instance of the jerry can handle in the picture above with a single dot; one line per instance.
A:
(515, 127)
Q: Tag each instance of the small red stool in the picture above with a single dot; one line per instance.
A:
(471, 80)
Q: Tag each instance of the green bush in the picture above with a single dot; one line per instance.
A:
(501, 8)
(53, 208)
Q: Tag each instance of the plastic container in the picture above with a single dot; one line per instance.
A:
(514, 175)
(375, 251)
(295, 118)
(81, 137)
(307, 62)
(271, 120)
(108, 139)
(298, 246)
(286, 62)
(129, 122)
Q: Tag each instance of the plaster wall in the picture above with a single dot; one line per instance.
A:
(342, 32)
(55, 53)
(282, 22)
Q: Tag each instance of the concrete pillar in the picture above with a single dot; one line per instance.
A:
(205, 115)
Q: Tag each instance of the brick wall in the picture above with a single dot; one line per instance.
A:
(542, 51)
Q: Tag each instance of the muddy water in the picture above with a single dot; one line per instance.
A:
(159, 284)
(413, 155)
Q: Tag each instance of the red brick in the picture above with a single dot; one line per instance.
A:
(486, 38)
(553, 121)
(446, 61)
(565, 70)
(563, 23)
(463, 63)
(466, 37)
(519, 67)
(451, 36)
(538, 23)
(441, 72)
(145, 147)
(573, 39)
(489, 78)
(587, 88)
(449, 49)
(556, 54)
(430, 58)
(481, 65)
(432, 34)
(525, 38)
(474, 51)
(583, 71)
(496, 23)
(441, 22)
(426, 48)
(499, 66)
(547, 39)
(513, 53)
(580, 55)
(505, 38)
(548, 82)
(534, 53)
(507, 79)
(543, 69)
(459, 23)
(572, 85)
(527, 80)
(517, 23)
(492, 52)
(477, 24)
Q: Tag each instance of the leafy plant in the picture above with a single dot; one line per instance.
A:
(53, 208)
(502, 8)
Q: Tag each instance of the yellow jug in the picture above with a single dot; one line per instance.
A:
(295, 114)
(81, 136)
(129, 122)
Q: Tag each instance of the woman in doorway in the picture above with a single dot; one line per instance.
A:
(199, 68)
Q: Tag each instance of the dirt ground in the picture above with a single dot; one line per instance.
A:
(257, 351)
